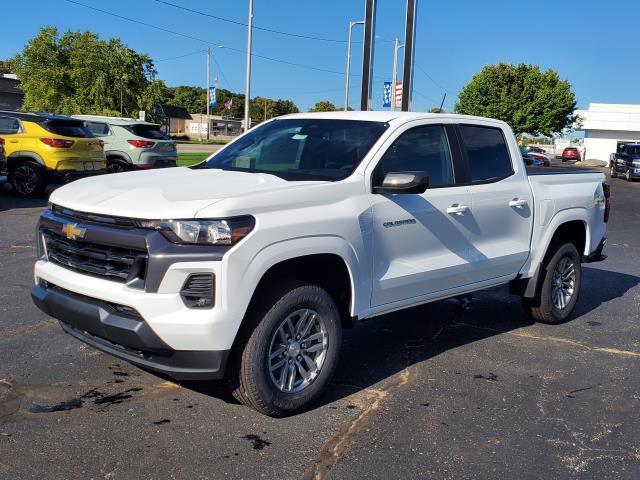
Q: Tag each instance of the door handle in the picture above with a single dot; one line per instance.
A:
(517, 203)
(457, 209)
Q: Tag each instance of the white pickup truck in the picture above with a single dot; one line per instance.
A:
(248, 265)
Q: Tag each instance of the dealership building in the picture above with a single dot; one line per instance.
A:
(606, 125)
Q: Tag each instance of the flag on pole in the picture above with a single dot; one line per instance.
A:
(386, 95)
(212, 97)
(398, 95)
(228, 104)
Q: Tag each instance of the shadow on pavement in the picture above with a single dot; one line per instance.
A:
(9, 201)
(382, 347)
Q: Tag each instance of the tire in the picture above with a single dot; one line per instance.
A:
(28, 179)
(252, 374)
(546, 307)
(613, 171)
(116, 165)
(627, 175)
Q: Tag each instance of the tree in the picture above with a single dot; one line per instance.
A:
(323, 106)
(5, 66)
(194, 99)
(77, 72)
(436, 110)
(528, 99)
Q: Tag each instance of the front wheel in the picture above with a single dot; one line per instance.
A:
(613, 171)
(28, 179)
(288, 351)
(627, 175)
(561, 280)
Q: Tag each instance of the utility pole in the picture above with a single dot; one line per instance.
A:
(409, 53)
(367, 54)
(121, 94)
(346, 87)
(397, 47)
(247, 88)
(208, 91)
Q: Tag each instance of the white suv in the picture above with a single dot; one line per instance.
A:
(131, 144)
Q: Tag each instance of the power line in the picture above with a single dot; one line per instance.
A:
(236, 22)
(191, 37)
(434, 82)
(180, 56)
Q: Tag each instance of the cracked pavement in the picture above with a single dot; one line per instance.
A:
(463, 388)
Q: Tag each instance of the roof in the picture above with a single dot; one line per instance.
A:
(34, 117)
(172, 111)
(112, 120)
(384, 116)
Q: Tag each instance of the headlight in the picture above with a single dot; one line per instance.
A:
(202, 232)
(636, 163)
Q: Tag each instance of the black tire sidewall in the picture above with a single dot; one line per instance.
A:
(546, 298)
(300, 297)
(124, 165)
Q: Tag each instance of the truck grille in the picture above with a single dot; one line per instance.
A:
(104, 261)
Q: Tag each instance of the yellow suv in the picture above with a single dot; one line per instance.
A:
(43, 148)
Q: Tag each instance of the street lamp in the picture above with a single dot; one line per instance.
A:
(247, 88)
(397, 47)
(346, 88)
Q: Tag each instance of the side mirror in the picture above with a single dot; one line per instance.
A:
(403, 182)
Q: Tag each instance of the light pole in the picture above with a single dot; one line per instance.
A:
(247, 87)
(397, 47)
(208, 91)
(122, 79)
(346, 88)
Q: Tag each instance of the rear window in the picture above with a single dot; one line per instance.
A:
(487, 153)
(9, 126)
(148, 131)
(571, 149)
(67, 128)
(98, 129)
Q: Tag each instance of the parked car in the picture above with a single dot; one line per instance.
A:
(533, 149)
(43, 148)
(3, 164)
(626, 162)
(248, 265)
(571, 153)
(131, 144)
(546, 162)
(530, 160)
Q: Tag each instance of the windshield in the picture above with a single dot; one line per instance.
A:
(301, 148)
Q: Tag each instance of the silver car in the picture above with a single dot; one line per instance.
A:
(131, 144)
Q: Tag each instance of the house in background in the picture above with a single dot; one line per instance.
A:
(606, 125)
(172, 118)
(11, 97)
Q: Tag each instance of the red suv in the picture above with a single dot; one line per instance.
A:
(570, 153)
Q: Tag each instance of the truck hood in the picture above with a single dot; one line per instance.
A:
(163, 193)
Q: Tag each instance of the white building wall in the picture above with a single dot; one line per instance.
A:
(602, 143)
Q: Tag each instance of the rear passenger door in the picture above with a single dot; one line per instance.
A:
(501, 202)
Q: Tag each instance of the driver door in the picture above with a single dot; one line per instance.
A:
(421, 241)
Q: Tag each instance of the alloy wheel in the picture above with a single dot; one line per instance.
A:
(115, 167)
(25, 179)
(563, 284)
(297, 351)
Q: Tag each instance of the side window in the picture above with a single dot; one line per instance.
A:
(487, 153)
(9, 126)
(98, 129)
(420, 149)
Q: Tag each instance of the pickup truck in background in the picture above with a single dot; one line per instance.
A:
(247, 266)
(626, 161)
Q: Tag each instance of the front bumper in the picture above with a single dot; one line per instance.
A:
(123, 333)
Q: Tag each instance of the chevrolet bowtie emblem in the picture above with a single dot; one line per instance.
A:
(73, 232)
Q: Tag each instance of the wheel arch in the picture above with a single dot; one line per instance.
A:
(118, 155)
(20, 155)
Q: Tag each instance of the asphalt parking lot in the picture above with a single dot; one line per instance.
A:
(465, 388)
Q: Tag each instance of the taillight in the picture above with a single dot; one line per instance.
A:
(101, 142)
(141, 143)
(606, 188)
(57, 142)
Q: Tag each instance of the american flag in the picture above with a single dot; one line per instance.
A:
(398, 94)
(228, 104)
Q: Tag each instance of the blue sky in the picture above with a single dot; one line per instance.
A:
(455, 38)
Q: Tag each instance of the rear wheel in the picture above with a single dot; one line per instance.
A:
(558, 293)
(116, 165)
(28, 179)
(288, 351)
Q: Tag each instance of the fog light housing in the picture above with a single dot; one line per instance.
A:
(199, 291)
